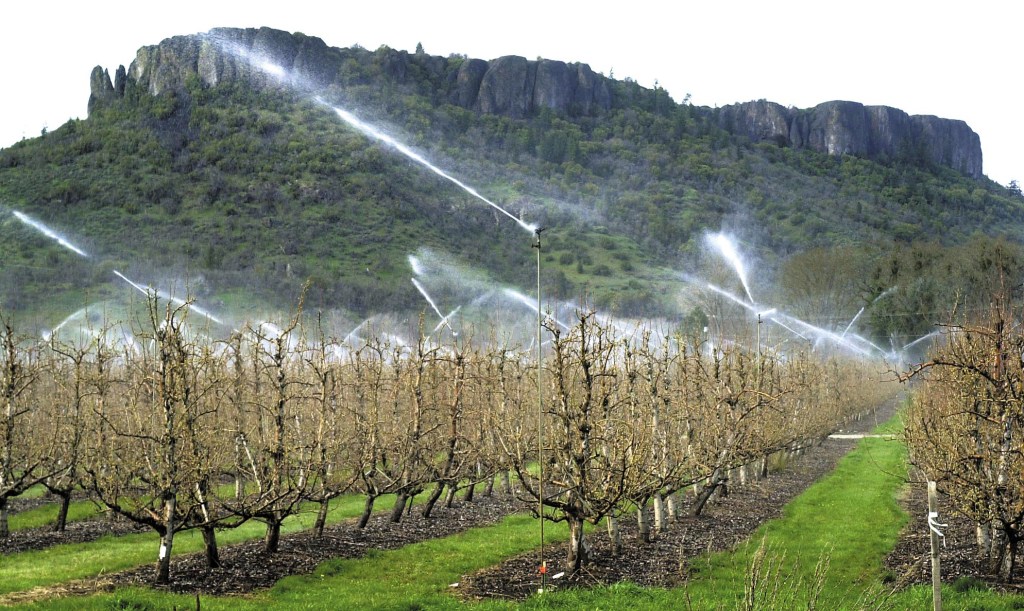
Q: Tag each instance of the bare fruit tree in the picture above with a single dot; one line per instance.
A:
(147, 460)
(590, 438)
(25, 456)
(965, 429)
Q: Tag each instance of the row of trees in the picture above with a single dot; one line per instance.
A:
(175, 431)
(965, 429)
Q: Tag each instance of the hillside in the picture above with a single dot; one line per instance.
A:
(210, 164)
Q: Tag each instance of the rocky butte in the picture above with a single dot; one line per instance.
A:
(516, 87)
(848, 128)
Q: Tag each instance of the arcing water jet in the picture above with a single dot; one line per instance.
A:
(727, 248)
(278, 72)
(380, 136)
(523, 299)
(414, 263)
(444, 319)
(921, 340)
(855, 317)
(147, 291)
(53, 235)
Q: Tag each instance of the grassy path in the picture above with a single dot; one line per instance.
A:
(63, 563)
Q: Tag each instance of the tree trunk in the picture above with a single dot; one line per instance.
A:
(210, 546)
(5, 529)
(449, 500)
(435, 494)
(660, 524)
(614, 535)
(672, 503)
(764, 467)
(997, 550)
(163, 562)
(468, 496)
(490, 486)
(396, 511)
(321, 519)
(1010, 560)
(981, 535)
(704, 494)
(506, 482)
(577, 554)
(643, 523)
(367, 510)
(62, 513)
(272, 540)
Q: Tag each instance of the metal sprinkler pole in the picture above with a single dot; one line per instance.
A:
(540, 422)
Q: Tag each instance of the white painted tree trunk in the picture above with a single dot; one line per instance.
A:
(660, 522)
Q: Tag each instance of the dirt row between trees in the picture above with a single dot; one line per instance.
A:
(79, 531)
(910, 560)
(725, 523)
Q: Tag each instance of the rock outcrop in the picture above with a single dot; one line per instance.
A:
(511, 86)
(848, 128)
(100, 88)
(264, 57)
(516, 87)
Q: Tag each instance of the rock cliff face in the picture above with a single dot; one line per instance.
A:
(266, 57)
(516, 87)
(849, 128)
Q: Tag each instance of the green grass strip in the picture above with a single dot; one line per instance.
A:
(35, 492)
(46, 515)
(61, 563)
(413, 577)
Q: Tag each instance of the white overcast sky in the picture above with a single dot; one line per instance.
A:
(958, 60)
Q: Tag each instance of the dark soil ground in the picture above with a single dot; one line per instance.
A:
(79, 531)
(910, 560)
(725, 523)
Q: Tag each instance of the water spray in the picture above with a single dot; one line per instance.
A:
(856, 316)
(380, 136)
(921, 340)
(444, 319)
(148, 291)
(728, 250)
(523, 299)
(352, 333)
(268, 67)
(414, 263)
(778, 318)
(53, 235)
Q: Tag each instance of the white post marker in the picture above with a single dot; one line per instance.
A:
(933, 527)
